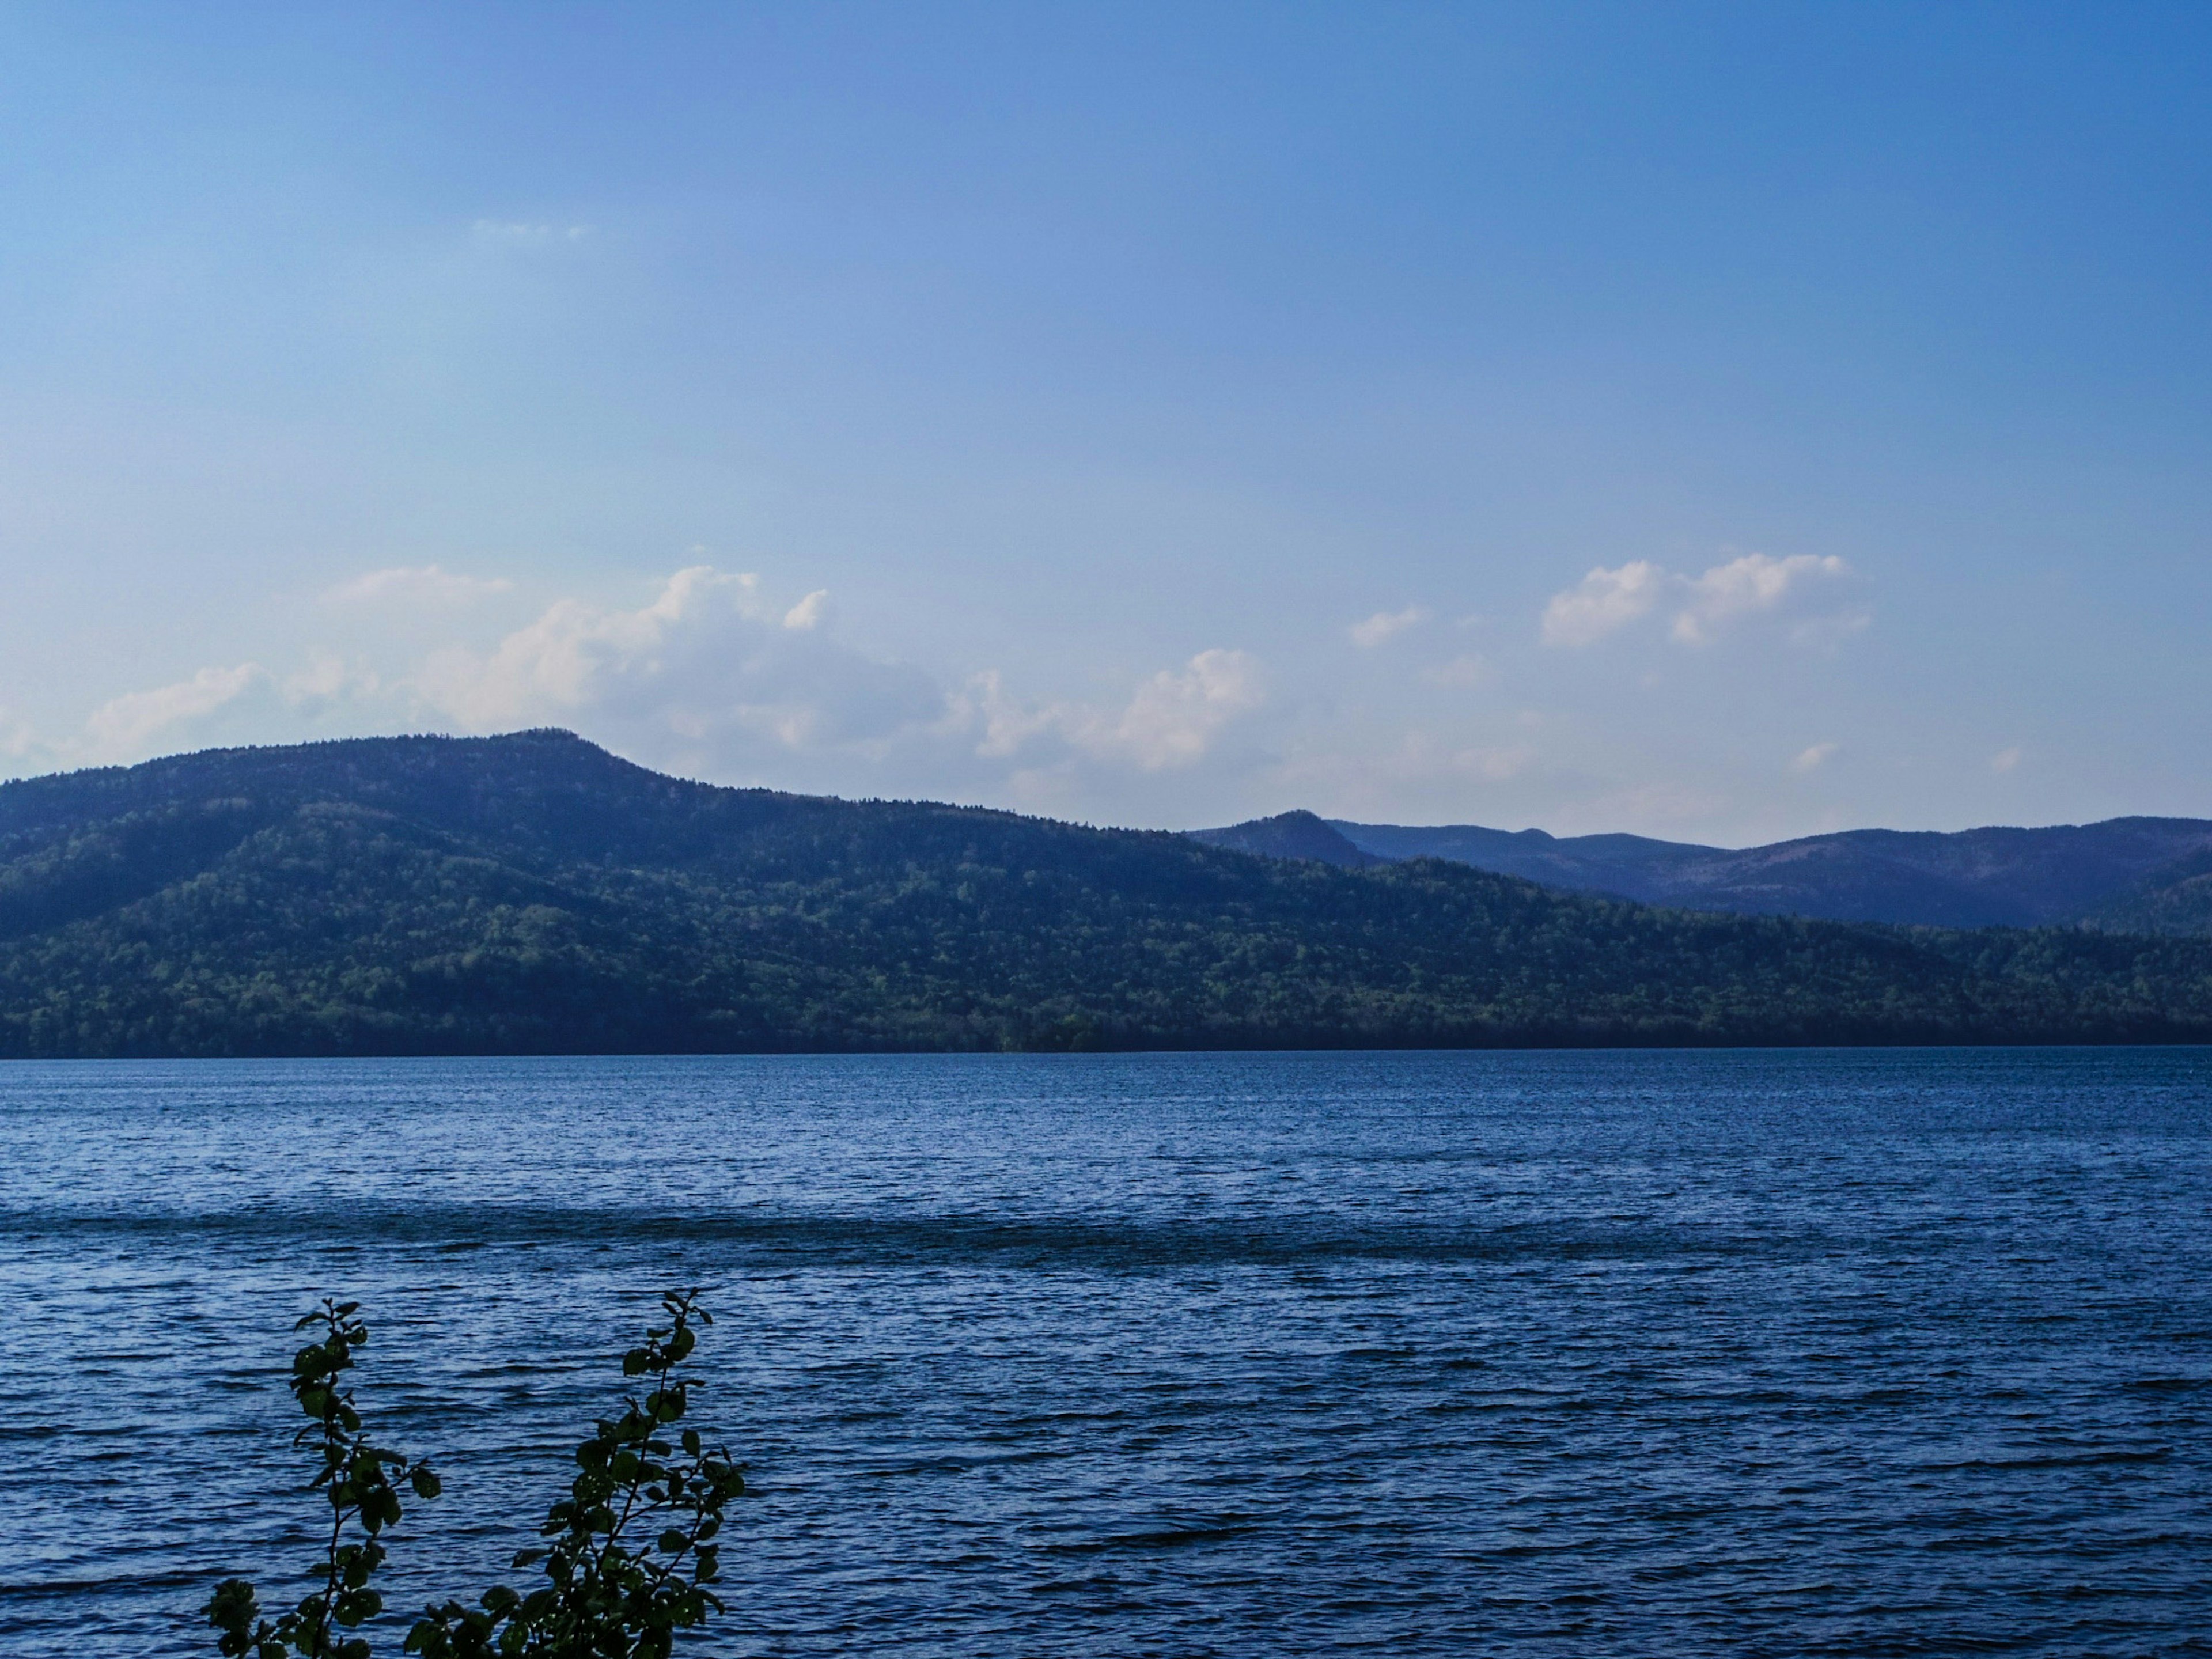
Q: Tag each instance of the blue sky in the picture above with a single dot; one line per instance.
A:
(1721, 422)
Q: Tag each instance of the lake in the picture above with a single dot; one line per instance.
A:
(1852, 1352)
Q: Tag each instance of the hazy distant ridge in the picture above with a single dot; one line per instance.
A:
(2136, 874)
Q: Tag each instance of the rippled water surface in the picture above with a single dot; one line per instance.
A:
(1653, 1354)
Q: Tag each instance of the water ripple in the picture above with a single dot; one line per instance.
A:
(1589, 1354)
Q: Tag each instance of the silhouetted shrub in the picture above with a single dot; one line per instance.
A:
(630, 1550)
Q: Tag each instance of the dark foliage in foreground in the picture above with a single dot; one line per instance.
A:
(362, 1482)
(533, 894)
(631, 1548)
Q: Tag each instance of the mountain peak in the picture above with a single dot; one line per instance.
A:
(1295, 835)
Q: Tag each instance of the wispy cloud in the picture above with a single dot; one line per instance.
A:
(576, 653)
(706, 672)
(2005, 759)
(1706, 605)
(121, 727)
(707, 661)
(1176, 715)
(1747, 587)
(1385, 624)
(419, 584)
(1813, 759)
(1172, 719)
(1604, 602)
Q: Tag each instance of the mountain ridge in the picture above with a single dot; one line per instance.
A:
(2113, 874)
(533, 893)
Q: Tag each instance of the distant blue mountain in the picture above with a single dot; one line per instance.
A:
(2137, 874)
(1297, 835)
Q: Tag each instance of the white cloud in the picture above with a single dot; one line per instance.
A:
(2005, 759)
(121, 726)
(1603, 603)
(1746, 586)
(575, 653)
(1812, 759)
(421, 586)
(1384, 623)
(1173, 716)
(1752, 584)
(707, 663)
(706, 674)
(1008, 724)
(1171, 720)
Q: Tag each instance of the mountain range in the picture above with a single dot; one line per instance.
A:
(2124, 875)
(533, 893)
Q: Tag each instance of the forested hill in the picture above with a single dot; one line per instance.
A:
(533, 893)
(2126, 875)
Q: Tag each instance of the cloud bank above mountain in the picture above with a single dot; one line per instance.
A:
(711, 672)
(731, 676)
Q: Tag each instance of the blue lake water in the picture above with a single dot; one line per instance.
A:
(1805, 1352)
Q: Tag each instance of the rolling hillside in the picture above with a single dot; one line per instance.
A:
(533, 893)
(2124, 875)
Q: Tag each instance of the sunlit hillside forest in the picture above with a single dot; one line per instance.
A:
(534, 894)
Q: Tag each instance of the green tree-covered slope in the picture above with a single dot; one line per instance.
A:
(533, 893)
